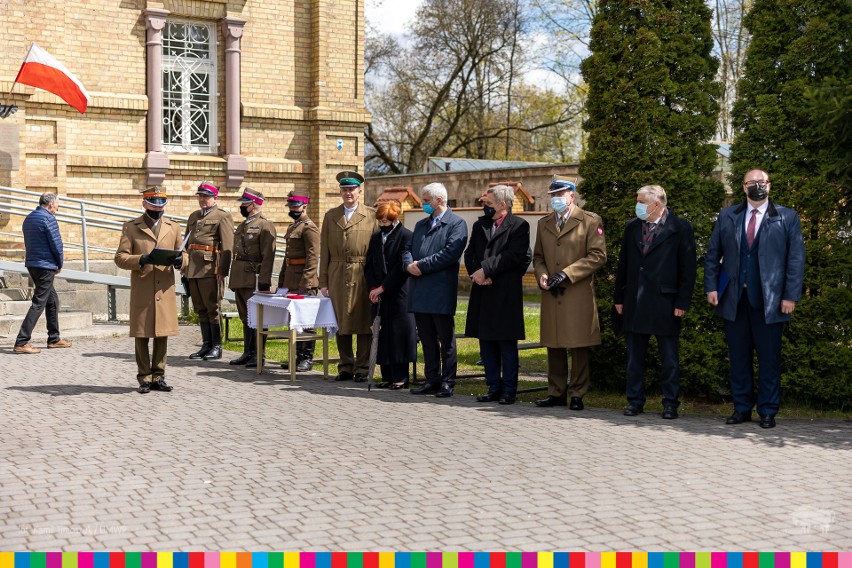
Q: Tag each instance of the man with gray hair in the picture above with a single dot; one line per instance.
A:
(43, 261)
(433, 261)
(653, 290)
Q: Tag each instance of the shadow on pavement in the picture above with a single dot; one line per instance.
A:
(832, 434)
(73, 390)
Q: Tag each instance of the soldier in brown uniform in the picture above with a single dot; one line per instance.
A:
(207, 262)
(251, 269)
(153, 305)
(299, 270)
(569, 249)
(346, 232)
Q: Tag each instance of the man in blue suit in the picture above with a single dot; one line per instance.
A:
(433, 262)
(753, 274)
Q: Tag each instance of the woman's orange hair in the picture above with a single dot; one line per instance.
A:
(389, 210)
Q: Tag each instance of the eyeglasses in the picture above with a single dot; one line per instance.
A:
(756, 182)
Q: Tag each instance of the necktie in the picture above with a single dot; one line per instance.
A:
(752, 224)
(559, 222)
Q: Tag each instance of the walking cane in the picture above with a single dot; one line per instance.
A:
(374, 344)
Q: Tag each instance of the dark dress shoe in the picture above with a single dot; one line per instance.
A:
(669, 413)
(576, 403)
(305, 365)
(551, 400)
(242, 359)
(767, 421)
(634, 410)
(360, 378)
(425, 389)
(490, 397)
(507, 399)
(286, 366)
(445, 392)
(160, 385)
(383, 385)
(739, 417)
(398, 385)
(214, 353)
(343, 376)
(144, 388)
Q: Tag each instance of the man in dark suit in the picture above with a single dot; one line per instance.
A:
(496, 259)
(653, 290)
(433, 262)
(753, 274)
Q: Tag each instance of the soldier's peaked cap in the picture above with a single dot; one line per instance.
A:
(348, 178)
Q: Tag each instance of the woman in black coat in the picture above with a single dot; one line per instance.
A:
(496, 259)
(388, 284)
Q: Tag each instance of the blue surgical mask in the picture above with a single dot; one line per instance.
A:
(641, 211)
(559, 204)
(428, 209)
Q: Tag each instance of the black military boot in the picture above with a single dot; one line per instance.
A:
(305, 356)
(248, 347)
(215, 342)
(252, 363)
(206, 345)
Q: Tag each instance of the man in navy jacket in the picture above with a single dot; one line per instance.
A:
(753, 274)
(43, 261)
(433, 262)
(653, 290)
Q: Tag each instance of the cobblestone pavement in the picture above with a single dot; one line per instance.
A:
(231, 461)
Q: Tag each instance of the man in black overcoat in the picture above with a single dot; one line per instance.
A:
(496, 259)
(653, 290)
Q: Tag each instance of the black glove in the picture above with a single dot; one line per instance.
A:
(555, 280)
(177, 261)
(185, 281)
(261, 287)
(144, 259)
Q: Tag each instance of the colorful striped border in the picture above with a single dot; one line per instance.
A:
(426, 560)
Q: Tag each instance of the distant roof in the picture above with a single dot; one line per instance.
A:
(437, 164)
(399, 194)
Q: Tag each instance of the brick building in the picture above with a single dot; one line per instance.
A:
(265, 93)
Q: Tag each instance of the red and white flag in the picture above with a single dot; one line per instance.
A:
(42, 70)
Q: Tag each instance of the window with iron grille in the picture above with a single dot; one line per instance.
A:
(189, 87)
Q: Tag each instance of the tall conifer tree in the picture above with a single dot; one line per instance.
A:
(793, 120)
(652, 110)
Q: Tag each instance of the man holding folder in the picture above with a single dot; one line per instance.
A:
(149, 249)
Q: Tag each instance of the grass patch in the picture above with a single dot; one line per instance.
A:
(534, 372)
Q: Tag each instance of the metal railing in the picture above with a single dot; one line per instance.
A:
(93, 214)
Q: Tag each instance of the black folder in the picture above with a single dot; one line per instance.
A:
(163, 257)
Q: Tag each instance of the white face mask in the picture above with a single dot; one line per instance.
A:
(559, 204)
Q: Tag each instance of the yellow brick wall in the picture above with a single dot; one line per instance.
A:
(301, 92)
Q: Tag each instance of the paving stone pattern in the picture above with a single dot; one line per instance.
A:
(233, 461)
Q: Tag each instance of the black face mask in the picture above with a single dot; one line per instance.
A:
(155, 215)
(756, 190)
(386, 229)
(295, 215)
(244, 210)
(489, 211)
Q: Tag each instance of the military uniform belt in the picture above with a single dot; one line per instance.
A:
(203, 247)
(295, 261)
(356, 259)
(250, 258)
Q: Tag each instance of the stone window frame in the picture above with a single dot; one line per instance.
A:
(156, 162)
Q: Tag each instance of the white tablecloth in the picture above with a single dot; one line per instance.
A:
(301, 314)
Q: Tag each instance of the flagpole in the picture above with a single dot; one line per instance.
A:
(15, 82)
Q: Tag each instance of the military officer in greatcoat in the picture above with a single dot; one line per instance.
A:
(569, 249)
(345, 237)
(299, 270)
(207, 262)
(251, 269)
(153, 304)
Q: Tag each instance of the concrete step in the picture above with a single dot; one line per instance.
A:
(14, 307)
(10, 324)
